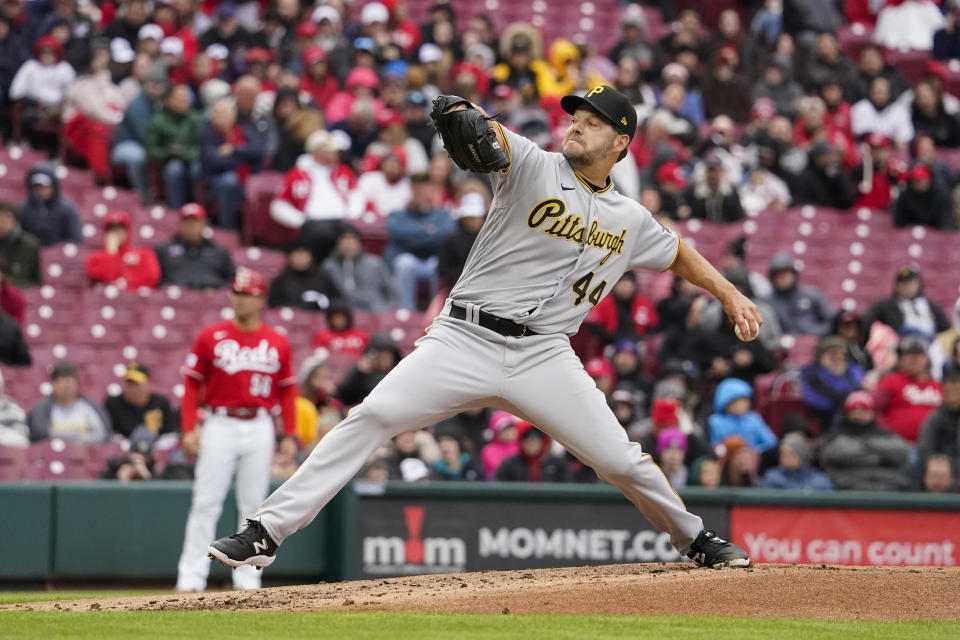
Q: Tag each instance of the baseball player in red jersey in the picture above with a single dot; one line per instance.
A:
(241, 369)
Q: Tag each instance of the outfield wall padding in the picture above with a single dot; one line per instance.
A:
(127, 531)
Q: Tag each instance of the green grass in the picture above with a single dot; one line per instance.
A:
(13, 597)
(238, 625)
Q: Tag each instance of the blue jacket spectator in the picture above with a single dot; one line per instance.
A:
(733, 417)
(794, 470)
(227, 156)
(829, 379)
(800, 310)
(415, 235)
(45, 213)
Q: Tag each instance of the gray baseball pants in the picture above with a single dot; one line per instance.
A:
(457, 366)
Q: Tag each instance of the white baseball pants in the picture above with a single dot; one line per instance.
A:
(228, 447)
(459, 365)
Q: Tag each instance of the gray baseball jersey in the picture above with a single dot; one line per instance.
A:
(551, 247)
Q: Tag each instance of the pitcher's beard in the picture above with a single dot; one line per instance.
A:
(580, 158)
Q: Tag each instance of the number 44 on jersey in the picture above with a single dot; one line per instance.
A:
(582, 290)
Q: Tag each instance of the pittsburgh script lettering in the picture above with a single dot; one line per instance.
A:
(570, 227)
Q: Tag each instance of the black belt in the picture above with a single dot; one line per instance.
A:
(486, 320)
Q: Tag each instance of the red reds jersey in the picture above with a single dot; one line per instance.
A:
(607, 314)
(904, 403)
(241, 368)
(353, 341)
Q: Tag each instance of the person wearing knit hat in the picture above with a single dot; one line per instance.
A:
(315, 379)
(671, 449)
(627, 361)
(733, 416)
(738, 462)
(829, 379)
(663, 412)
(667, 413)
(857, 454)
(795, 471)
(704, 472)
(534, 462)
(504, 443)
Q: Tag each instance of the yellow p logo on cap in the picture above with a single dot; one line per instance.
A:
(596, 90)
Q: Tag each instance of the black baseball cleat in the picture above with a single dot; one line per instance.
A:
(252, 546)
(709, 550)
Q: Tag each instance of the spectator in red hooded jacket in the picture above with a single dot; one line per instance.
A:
(877, 177)
(317, 79)
(534, 462)
(624, 314)
(906, 396)
(120, 263)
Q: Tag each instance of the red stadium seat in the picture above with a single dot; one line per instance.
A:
(57, 459)
(258, 226)
(852, 38)
(100, 454)
(13, 463)
(910, 63)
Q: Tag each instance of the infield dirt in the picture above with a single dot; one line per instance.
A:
(781, 591)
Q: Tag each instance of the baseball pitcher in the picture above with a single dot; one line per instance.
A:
(556, 239)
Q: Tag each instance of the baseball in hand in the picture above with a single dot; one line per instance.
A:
(754, 330)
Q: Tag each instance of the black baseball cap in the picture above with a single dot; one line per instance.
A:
(612, 104)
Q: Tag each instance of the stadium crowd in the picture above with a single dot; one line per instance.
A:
(747, 109)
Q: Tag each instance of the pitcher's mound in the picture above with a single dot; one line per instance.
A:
(782, 591)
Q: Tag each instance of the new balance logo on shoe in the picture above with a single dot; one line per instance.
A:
(260, 546)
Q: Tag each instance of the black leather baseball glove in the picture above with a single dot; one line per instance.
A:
(468, 137)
